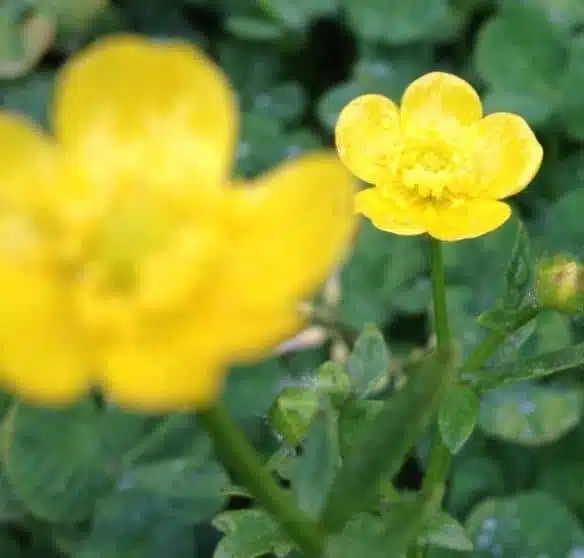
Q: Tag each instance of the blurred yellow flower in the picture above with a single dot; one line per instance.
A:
(437, 165)
(128, 258)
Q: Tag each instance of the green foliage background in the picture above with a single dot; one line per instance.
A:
(94, 482)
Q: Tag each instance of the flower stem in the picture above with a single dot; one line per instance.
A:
(439, 295)
(236, 453)
(494, 338)
(439, 460)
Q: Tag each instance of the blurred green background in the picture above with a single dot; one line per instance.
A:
(93, 482)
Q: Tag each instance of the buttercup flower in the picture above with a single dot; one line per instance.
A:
(128, 257)
(437, 165)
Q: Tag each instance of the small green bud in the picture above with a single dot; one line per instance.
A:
(559, 284)
(293, 411)
(333, 380)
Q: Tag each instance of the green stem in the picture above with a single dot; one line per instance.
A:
(494, 338)
(439, 295)
(237, 453)
(439, 460)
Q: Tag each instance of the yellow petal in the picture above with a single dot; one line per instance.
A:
(439, 99)
(367, 136)
(25, 163)
(252, 333)
(385, 215)
(161, 369)
(467, 219)
(507, 154)
(294, 225)
(40, 356)
(129, 108)
(39, 349)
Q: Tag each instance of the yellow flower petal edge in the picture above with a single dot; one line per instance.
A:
(366, 134)
(437, 166)
(165, 98)
(133, 261)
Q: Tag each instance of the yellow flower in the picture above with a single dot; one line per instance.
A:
(129, 259)
(437, 165)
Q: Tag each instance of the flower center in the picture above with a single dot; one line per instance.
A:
(434, 170)
(144, 259)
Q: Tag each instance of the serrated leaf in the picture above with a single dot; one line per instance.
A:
(316, 466)
(249, 534)
(530, 414)
(403, 419)
(54, 460)
(539, 366)
(368, 363)
(457, 416)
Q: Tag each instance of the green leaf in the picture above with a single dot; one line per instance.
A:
(457, 416)
(567, 13)
(356, 416)
(251, 68)
(407, 21)
(173, 436)
(368, 363)
(29, 96)
(333, 380)
(124, 433)
(298, 14)
(316, 466)
(539, 366)
(537, 109)
(519, 273)
(405, 520)
(293, 411)
(471, 481)
(402, 420)
(560, 232)
(251, 390)
(401, 523)
(564, 481)
(530, 415)
(534, 50)
(194, 488)
(362, 536)
(253, 28)
(10, 548)
(531, 524)
(445, 532)
(248, 534)
(54, 460)
(285, 101)
(381, 266)
(131, 523)
(11, 507)
(571, 109)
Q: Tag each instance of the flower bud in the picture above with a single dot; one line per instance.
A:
(559, 284)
